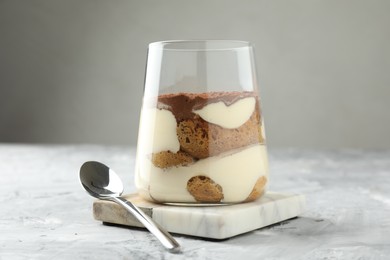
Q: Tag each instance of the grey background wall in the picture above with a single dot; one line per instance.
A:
(72, 71)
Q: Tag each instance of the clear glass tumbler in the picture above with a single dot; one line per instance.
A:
(201, 135)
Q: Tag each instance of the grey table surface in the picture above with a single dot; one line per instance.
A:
(45, 214)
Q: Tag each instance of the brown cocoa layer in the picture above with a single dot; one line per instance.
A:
(182, 104)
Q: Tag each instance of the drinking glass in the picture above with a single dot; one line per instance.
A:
(201, 135)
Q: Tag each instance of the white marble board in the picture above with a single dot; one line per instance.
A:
(215, 222)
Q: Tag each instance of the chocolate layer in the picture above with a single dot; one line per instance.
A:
(182, 104)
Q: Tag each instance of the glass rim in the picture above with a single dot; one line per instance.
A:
(225, 45)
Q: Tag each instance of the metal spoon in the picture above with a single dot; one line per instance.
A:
(103, 183)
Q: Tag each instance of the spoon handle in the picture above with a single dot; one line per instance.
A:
(159, 232)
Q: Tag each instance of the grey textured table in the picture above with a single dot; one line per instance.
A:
(44, 213)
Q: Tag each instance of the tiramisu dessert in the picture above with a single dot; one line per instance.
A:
(202, 148)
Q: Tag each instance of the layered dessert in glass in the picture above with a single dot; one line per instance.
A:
(201, 136)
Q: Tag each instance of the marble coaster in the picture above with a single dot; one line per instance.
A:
(215, 222)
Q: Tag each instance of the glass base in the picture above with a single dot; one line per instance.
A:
(197, 204)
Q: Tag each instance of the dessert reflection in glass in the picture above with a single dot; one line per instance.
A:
(201, 136)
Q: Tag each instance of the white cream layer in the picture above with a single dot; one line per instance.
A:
(236, 172)
(232, 116)
(158, 131)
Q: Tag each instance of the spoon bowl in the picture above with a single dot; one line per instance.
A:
(103, 183)
(100, 181)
